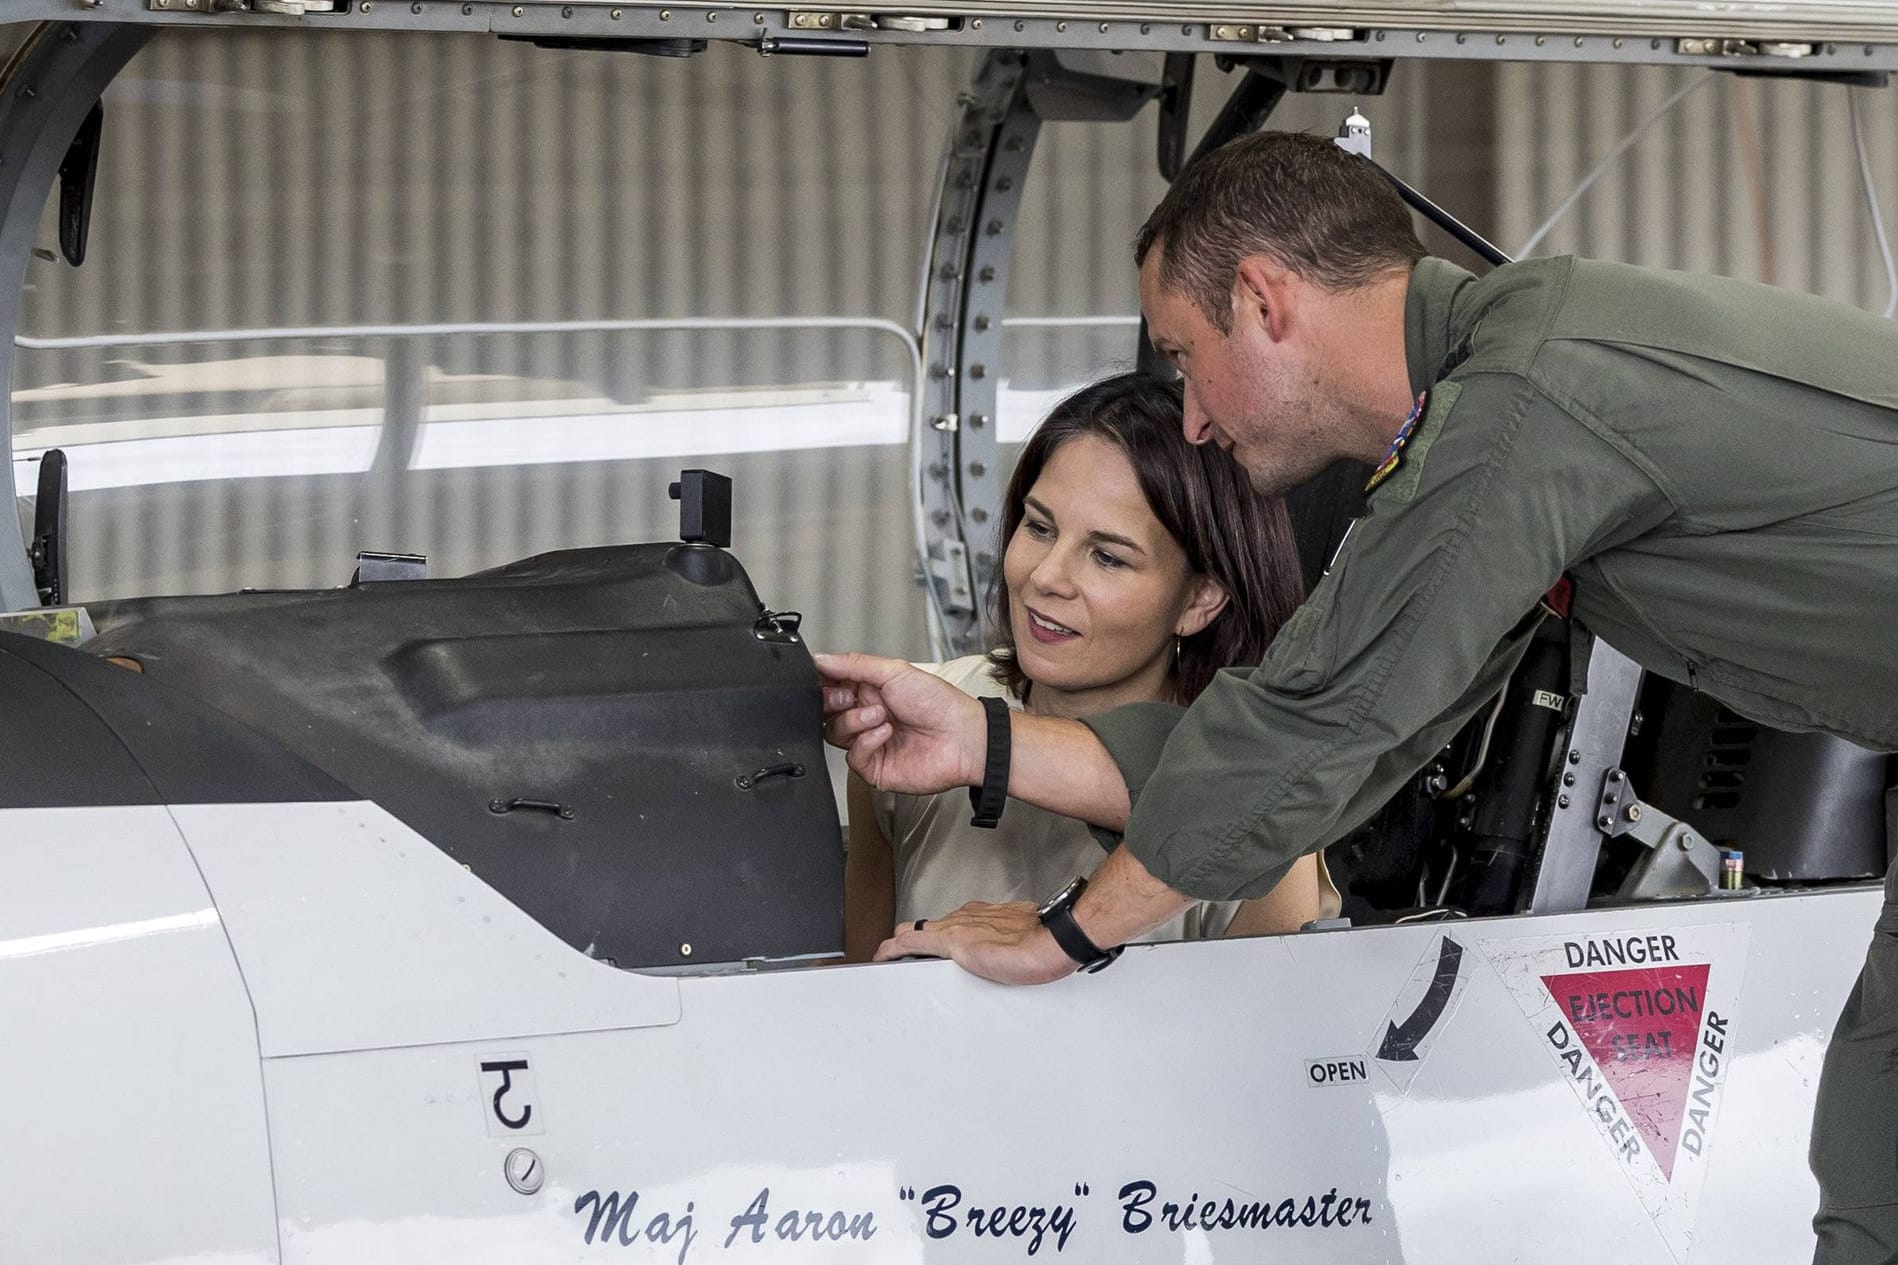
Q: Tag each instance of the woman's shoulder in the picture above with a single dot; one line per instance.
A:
(972, 674)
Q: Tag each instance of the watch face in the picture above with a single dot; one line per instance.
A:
(1066, 896)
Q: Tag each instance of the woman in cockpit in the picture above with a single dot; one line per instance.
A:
(1136, 565)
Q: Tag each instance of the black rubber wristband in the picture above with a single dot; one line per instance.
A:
(991, 797)
(1058, 917)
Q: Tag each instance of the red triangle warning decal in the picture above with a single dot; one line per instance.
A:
(1640, 1026)
(1639, 1018)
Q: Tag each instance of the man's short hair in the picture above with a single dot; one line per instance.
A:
(1326, 214)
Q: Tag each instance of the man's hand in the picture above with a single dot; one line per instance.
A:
(904, 729)
(1005, 943)
(901, 728)
(1008, 944)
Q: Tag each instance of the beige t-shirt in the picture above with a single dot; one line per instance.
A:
(942, 862)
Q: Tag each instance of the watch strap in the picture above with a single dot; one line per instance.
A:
(1058, 917)
(991, 797)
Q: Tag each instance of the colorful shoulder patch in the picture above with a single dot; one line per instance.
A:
(1394, 457)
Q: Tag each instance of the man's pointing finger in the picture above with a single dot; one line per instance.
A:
(845, 668)
(844, 727)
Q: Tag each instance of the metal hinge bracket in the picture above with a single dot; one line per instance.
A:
(1257, 33)
(949, 576)
(831, 20)
(1679, 860)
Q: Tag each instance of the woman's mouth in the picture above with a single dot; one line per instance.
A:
(1046, 631)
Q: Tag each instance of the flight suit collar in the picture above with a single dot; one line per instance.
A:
(1430, 329)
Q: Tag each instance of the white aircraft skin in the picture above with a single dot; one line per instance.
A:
(301, 1033)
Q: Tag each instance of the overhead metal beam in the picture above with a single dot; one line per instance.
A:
(1807, 38)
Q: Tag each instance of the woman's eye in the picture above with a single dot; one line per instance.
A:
(1107, 559)
(1039, 530)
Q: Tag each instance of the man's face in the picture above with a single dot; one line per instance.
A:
(1254, 395)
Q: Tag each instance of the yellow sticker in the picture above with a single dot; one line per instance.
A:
(63, 625)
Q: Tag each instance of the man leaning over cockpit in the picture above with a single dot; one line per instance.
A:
(1712, 464)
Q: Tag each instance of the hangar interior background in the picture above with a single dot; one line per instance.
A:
(254, 182)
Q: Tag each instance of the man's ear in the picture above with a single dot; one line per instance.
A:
(1266, 291)
(1209, 598)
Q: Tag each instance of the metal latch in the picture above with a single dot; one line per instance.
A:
(814, 20)
(1692, 47)
(1255, 33)
(778, 626)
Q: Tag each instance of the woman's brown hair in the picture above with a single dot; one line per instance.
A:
(1229, 532)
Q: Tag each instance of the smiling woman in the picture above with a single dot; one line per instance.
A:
(1136, 566)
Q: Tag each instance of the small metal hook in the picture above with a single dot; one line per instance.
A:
(502, 807)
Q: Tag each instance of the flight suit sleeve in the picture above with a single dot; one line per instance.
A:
(1423, 614)
(1135, 735)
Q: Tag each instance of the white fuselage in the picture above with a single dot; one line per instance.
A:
(300, 1032)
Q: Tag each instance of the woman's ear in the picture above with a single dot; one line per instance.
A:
(1208, 599)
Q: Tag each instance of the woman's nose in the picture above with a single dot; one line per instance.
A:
(1053, 573)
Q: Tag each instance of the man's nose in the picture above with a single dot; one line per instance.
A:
(1194, 422)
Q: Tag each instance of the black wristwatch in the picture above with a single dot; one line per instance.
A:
(1057, 915)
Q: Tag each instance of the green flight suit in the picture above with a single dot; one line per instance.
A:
(1714, 463)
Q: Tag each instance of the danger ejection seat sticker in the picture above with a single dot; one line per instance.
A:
(1639, 1025)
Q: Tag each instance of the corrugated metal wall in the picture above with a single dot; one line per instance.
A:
(1752, 178)
(333, 179)
(268, 180)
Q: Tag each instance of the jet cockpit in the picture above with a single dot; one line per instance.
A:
(441, 430)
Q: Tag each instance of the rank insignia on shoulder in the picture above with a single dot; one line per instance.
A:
(1394, 456)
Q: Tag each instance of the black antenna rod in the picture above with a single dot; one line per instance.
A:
(1449, 223)
(1354, 137)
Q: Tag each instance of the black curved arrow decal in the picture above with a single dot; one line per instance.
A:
(1401, 1040)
